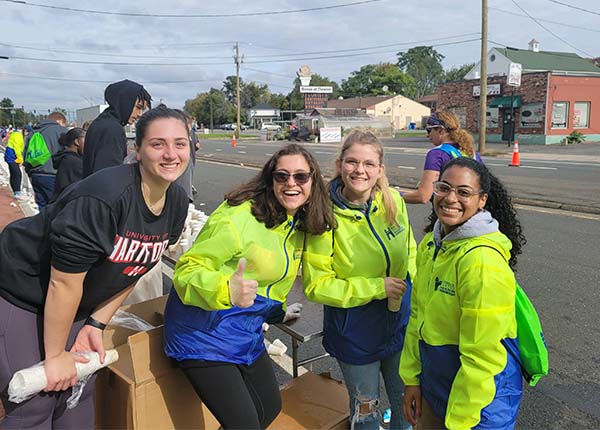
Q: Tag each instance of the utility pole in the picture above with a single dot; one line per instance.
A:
(483, 78)
(238, 61)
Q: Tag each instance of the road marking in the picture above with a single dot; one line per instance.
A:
(407, 167)
(218, 149)
(268, 155)
(523, 167)
(241, 152)
(324, 152)
(563, 212)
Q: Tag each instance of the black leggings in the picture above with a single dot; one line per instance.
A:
(239, 396)
(15, 177)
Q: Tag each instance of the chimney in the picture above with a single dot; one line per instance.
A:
(534, 45)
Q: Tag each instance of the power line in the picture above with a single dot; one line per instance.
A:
(546, 20)
(216, 15)
(295, 58)
(33, 48)
(270, 73)
(50, 78)
(575, 7)
(550, 31)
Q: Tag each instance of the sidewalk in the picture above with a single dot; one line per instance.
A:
(9, 207)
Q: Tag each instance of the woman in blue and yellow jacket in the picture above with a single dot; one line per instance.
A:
(458, 372)
(13, 155)
(237, 276)
(355, 270)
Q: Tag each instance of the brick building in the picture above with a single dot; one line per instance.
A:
(559, 94)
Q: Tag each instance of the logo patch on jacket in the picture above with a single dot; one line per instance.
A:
(393, 231)
(444, 287)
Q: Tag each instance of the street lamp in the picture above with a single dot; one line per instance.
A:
(12, 113)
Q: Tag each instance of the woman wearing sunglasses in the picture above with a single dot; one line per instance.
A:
(450, 141)
(237, 276)
(356, 271)
(457, 370)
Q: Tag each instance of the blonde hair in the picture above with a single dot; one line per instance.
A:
(458, 135)
(367, 137)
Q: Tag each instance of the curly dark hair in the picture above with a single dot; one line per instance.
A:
(499, 204)
(316, 216)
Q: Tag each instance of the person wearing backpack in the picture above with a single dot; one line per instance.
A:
(39, 149)
(67, 161)
(106, 142)
(450, 141)
(457, 367)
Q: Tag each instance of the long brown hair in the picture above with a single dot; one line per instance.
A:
(366, 137)
(458, 135)
(316, 215)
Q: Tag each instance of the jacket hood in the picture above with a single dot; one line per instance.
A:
(121, 97)
(335, 193)
(479, 224)
(61, 155)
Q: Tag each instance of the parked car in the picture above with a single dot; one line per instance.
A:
(270, 126)
(232, 126)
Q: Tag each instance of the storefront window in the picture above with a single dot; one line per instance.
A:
(461, 114)
(560, 112)
(532, 115)
(581, 115)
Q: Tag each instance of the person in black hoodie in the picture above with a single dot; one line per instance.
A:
(68, 161)
(106, 143)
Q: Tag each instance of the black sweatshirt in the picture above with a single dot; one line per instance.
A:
(69, 169)
(100, 225)
(105, 140)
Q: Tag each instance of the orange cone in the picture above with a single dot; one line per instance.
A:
(516, 160)
(233, 142)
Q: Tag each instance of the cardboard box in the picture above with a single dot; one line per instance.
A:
(313, 401)
(142, 390)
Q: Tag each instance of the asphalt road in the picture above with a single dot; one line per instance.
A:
(556, 177)
(559, 271)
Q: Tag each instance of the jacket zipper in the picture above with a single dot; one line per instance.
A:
(287, 257)
(385, 251)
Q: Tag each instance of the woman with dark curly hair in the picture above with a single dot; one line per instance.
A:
(456, 367)
(450, 141)
(235, 277)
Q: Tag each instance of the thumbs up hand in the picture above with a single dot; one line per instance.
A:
(242, 292)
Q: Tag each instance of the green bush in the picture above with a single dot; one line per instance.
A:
(574, 137)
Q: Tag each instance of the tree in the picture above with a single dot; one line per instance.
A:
(373, 78)
(457, 73)
(297, 98)
(423, 63)
(230, 88)
(252, 94)
(211, 107)
(6, 105)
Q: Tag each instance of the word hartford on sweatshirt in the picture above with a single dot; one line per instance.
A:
(143, 249)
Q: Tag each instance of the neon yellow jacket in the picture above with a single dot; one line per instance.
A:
(345, 269)
(463, 306)
(231, 232)
(17, 144)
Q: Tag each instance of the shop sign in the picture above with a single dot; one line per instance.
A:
(492, 90)
(514, 75)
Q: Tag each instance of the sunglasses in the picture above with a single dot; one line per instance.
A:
(300, 178)
(429, 129)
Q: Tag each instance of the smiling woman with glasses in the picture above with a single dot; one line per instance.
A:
(237, 276)
(361, 272)
(456, 364)
(450, 141)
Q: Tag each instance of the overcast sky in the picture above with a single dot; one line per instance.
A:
(274, 45)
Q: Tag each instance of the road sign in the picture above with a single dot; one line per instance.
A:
(316, 90)
(514, 75)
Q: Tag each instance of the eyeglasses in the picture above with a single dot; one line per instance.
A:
(300, 178)
(442, 189)
(429, 129)
(352, 164)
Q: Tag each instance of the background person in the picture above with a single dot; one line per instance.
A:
(66, 270)
(457, 371)
(450, 141)
(13, 156)
(44, 176)
(235, 277)
(354, 270)
(68, 161)
(106, 139)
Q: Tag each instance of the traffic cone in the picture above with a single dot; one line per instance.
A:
(233, 142)
(516, 160)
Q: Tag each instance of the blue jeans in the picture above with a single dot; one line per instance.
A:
(362, 382)
(43, 188)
